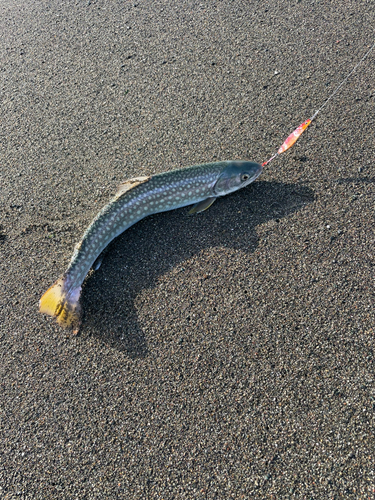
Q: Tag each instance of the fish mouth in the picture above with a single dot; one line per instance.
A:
(257, 173)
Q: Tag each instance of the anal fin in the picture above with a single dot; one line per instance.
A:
(98, 262)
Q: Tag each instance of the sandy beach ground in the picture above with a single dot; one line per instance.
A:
(226, 355)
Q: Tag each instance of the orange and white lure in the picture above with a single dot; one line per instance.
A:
(290, 140)
(294, 136)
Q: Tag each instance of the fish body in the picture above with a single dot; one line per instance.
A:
(134, 200)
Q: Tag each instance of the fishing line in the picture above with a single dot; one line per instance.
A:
(294, 136)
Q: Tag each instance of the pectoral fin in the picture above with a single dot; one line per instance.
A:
(201, 206)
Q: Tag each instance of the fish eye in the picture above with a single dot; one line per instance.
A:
(245, 177)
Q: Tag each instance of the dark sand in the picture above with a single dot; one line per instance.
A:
(227, 355)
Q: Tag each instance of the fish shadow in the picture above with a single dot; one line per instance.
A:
(160, 242)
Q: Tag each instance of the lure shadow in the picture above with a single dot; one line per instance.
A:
(158, 243)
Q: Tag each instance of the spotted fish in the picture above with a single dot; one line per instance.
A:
(135, 199)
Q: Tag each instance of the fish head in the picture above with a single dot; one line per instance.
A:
(236, 175)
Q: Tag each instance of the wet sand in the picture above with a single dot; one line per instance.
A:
(227, 355)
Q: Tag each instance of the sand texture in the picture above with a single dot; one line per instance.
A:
(228, 355)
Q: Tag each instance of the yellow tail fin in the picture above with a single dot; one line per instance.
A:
(62, 305)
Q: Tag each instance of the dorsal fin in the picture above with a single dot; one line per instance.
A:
(130, 184)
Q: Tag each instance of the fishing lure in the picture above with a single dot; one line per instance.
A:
(295, 135)
(135, 199)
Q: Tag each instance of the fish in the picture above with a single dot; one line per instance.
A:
(197, 185)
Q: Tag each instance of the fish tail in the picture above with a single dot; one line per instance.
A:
(62, 304)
